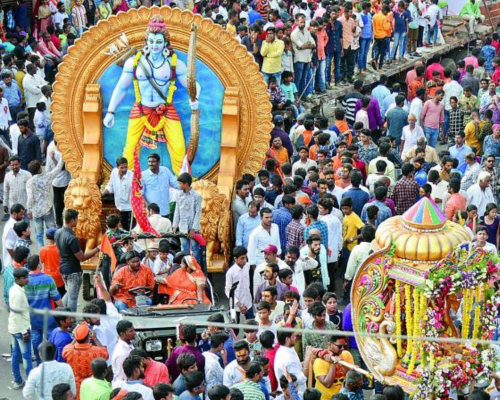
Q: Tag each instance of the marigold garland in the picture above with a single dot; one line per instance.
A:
(408, 317)
(466, 312)
(399, 344)
(475, 331)
(416, 325)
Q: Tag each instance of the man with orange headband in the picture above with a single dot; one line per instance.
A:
(80, 354)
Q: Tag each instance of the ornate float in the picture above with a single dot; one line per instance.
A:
(423, 274)
(166, 81)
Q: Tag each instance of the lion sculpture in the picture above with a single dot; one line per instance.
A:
(83, 196)
(215, 223)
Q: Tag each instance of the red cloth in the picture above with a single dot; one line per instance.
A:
(137, 200)
(271, 355)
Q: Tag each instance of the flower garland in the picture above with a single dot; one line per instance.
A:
(399, 344)
(416, 330)
(466, 312)
(475, 331)
(171, 90)
(467, 270)
(489, 316)
(408, 317)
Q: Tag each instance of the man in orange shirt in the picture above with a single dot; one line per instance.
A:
(381, 31)
(416, 83)
(434, 85)
(49, 257)
(456, 202)
(80, 353)
(337, 160)
(133, 275)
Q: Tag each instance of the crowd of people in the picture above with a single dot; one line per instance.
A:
(303, 224)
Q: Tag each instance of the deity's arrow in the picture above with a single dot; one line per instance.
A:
(191, 87)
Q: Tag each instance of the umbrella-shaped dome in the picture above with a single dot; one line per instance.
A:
(421, 234)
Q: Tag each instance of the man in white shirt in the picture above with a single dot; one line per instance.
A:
(417, 104)
(15, 132)
(47, 375)
(124, 346)
(59, 17)
(303, 161)
(120, 184)
(9, 237)
(265, 234)
(32, 86)
(298, 264)
(480, 194)
(411, 133)
(60, 182)
(159, 223)
(47, 99)
(14, 185)
(439, 188)
(334, 225)
(214, 373)
(19, 326)
(381, 166)
(235, 371)
(240, 272)
(358, 255)
(5, 117)
(105, 327)
(303, 45)
(287, 358)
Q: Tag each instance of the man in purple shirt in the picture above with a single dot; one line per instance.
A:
(188, 337)
(374, 117)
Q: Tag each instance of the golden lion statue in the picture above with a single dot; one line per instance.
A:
(83, 196)
(215, 224)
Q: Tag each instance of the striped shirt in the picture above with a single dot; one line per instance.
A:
(250, 390)
(349, 105)
(40, 290)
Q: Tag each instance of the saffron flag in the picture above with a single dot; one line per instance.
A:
(107, 248)
(137, 200)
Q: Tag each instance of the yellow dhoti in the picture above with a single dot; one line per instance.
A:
(156, 125)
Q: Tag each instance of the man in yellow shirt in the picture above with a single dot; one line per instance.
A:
(351, 225)
(271, 51)
(231, 24)
(473, 137)
(328, 373)
(381, 27)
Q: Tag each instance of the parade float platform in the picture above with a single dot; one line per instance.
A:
(410, 289)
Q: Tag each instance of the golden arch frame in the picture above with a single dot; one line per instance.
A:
(77, 109)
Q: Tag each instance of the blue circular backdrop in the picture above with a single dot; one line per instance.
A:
(211, 98)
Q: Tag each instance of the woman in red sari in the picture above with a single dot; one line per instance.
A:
(187, 282)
